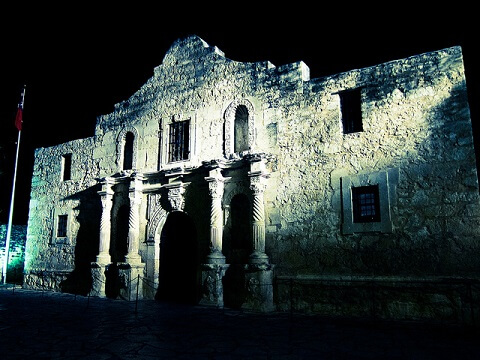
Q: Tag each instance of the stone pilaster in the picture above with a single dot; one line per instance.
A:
(216, 187)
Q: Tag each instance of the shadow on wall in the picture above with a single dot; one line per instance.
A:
(435, 219)
(79, 281)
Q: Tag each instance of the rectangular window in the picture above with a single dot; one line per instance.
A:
(62, 225)
(179, 141)
(351, 110)
(66, 167)
(365, 204)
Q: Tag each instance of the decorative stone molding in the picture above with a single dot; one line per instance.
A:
(175, 196)
(156, 214)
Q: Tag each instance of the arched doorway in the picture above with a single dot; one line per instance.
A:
(178, 278)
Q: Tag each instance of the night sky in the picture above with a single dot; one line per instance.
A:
(78, 62)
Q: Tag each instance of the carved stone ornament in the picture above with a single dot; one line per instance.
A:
(155, 214)
(175, 198)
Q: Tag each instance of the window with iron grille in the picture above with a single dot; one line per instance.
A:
(351, 109)
(179, 141)
(365, 204)
(62, 225)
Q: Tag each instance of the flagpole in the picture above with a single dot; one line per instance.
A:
(12, 201)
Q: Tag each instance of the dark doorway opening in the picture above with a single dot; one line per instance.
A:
(178, 276)
(120, 238)
(238, 248)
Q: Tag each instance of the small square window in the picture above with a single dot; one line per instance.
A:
(62, 226)
(351, 110)
(366, 207)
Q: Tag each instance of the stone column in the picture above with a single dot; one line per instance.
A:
(215, 188)
(135, 267)
(257, 185)
(215, 268)
(135, 196)
(258, 273)
(103, 258)
(106, 194)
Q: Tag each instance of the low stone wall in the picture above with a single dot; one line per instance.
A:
(448, 300)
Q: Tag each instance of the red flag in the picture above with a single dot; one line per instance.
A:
(19, 117)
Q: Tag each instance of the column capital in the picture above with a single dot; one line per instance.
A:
(107, 186)
(175, 195)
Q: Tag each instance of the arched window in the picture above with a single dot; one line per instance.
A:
(240, 134)
(239, 127)
(128, 151)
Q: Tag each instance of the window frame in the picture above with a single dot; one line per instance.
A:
(387, 182)
(366, 204)
(351, 116)
(62, 221)
(178, 138)
(66, 173)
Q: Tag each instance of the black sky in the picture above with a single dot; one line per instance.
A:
(78, 62)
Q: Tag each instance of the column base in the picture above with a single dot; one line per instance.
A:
(131, 280)
(133, 259)
(103, 259)
(216, 257)
(258, 258)
(212, 286)
(97, 270)
(259, 288)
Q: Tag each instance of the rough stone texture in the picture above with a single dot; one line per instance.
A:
(416, 138)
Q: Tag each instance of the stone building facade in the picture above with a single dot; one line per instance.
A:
(252, 185)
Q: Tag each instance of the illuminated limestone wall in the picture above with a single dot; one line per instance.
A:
(16, 252)
(415, 146)
(50, 259)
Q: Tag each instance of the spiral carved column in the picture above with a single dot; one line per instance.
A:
(257, 185)
(215, 268)
(135, 196)
(216, 187)
(106, 194)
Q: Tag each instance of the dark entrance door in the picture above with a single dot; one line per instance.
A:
(238, 247)
(178, 260)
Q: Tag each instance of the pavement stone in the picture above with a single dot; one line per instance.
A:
(50, 325)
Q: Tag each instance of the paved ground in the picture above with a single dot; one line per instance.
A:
(46, 325)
